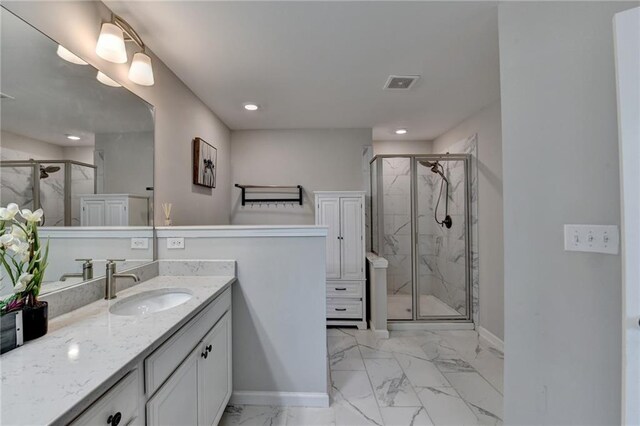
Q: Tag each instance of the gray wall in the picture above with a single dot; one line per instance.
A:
(486, 124)
(401, 147)
(317, 159)
(560, 165)
(179, 114)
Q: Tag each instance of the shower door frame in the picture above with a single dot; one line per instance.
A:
(35, 180)
(415, 288)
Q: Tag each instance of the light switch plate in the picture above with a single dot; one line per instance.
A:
(175, 243)
(592, 238)
(139, 243)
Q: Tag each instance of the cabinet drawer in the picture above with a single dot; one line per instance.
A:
(344, 289)
(344, 308)
(159, 365)
(121, 398)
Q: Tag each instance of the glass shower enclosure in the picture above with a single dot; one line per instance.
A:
(53, 185)
(420, 222)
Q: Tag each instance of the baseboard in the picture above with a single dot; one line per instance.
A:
(417, 325)
(286, 399)
(380, 334)
(491, 338)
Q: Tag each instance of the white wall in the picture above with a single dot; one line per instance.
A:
(319, 160)
(29, 148)
(560, 166)
(279, 326)
(401, 147)
(128, 165)
(486, 124)
(179, 114)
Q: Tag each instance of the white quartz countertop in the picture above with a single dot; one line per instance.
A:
(53, 378)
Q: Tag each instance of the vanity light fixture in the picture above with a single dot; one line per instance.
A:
(104, 79)
(68, 56)
(251, 106)
(73, 137)
(111, 47)
(401, 131)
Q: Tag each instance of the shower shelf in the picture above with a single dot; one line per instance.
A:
(267, 189)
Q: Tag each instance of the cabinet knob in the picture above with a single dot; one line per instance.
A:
(204, 354)
(115, 419)
(208, 348)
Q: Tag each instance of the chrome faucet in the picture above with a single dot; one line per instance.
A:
(87, 271)
(110, 282)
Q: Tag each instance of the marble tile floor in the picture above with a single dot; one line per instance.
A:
(399, 306)
(414, 378)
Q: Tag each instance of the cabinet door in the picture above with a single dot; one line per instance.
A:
(329, 215)
(214, 373)
(92, 213)
(176, 402)
(116, 213)
(352, 238)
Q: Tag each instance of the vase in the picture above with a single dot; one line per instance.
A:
(35, 320)
(167, 222)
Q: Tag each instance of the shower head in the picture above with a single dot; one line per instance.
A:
(44, 171)
(435, 167)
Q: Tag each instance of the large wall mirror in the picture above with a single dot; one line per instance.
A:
(80, 147)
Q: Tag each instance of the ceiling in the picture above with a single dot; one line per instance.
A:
(54, 98)
(323, 64)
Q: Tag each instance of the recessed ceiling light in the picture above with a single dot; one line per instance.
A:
(73, 137)
(251, 107)
(401, 131)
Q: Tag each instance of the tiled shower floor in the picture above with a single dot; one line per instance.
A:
(414, 378)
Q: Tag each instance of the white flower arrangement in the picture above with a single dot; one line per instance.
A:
(22, 257)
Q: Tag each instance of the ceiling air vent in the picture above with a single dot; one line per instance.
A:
(401, 82)
(5, 96)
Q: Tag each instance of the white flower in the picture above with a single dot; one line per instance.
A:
(22, 283)
(18, 233)
(30, 216)
(9, 212)
(21, 248)
(7, 240)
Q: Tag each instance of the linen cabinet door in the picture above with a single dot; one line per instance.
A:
(352, 238)
(329, 215)
(92, 213)
(116, 213)
(214, 373)
(176, 402)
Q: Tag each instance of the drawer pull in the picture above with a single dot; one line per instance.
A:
(208, 348)
(204, 354)
(115, 419)
(341, 309)
(341, 289)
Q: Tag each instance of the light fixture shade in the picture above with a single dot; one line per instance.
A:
(68, 56)
(104, 79)
(141, 71)
(110, 45)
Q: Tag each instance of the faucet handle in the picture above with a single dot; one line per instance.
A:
(115, 260)
(88, 260)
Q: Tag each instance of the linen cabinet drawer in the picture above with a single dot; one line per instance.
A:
(119, 405)
(160, 364)
(344, 289)
(344, 308)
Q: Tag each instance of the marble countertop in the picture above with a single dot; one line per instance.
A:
(53, 378)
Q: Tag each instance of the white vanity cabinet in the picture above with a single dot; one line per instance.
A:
(343, 213)
(114, 210)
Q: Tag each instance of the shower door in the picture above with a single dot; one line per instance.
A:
(441, 255)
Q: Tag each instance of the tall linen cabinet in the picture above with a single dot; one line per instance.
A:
(343, 213)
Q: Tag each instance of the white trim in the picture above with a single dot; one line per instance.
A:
(376, 261)
(73, 232)
(340, 193)
(286, 399)
(380, 334)
(241, 231)
(417, 325)
(491, 338)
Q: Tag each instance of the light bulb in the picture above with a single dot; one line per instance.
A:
(141, 71)
(110, 45)
(401, 131)
(102, 78)
(251, 107)
(68, 56)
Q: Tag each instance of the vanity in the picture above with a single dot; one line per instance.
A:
(158, 354)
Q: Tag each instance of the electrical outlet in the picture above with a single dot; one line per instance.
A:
(140, 243)
(592, 238)
(175, 243)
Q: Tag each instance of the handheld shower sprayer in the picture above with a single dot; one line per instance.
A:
(438, 169)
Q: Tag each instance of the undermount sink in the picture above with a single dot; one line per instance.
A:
(151, 301)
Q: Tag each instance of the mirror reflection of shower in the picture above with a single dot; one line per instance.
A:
(44, 171)
(438, 169)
